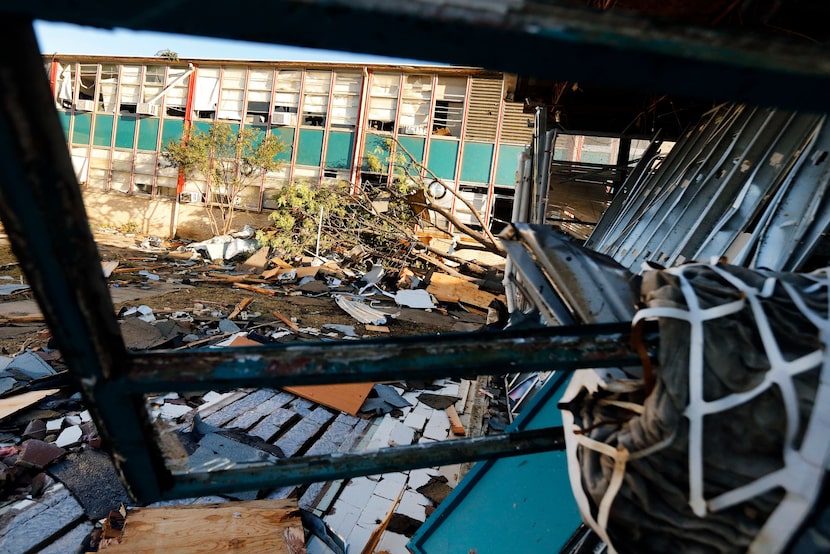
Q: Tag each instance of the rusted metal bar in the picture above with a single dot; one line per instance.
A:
(43, 215)
(308, 469)
(452, 355)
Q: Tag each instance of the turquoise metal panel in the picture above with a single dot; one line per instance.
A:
(339, 150)
(442, 156)
(65, 118)
(148, 133)
(595, 158)
(260, 131)
(286, 135)
(476, 162)
(103, 130)
(374, 145)
(83, 125)
(171, 129)
(310, 147)
(125, 132)
(518, 504)
(507, 165)
(415, 146)
(202, 126)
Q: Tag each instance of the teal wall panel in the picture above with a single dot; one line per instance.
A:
(202, 126)
(103, 130)
(286, 135)
(309, 147)
(507, 165)
(148, 133)
(442, 157)
(65, 118)
(375, 145)
(339, 150)
(415, 146)
(259, 133)
(476, 161)
(125, 132)
(595, 157)
(83, 125)
(171, 129)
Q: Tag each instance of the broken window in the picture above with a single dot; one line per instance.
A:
(108, 88)
(130, 88)
(175, 95)
(448, 116)
(206, 93)
(477, 197)
(316, 98)
(260, 83)
(232, 94)
(383, 101)
(66, 87)
(415, 101)
(345, 99)
(86, 88)
(286, 98)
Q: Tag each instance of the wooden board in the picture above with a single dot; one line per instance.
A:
(347, 398)
(241, 527)
(447, 288)
(13, 404)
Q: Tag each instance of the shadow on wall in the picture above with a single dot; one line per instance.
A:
(155, 216)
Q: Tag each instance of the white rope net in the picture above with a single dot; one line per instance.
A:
(727, 450)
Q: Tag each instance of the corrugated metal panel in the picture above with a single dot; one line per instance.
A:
(515, 128)
(483, 112)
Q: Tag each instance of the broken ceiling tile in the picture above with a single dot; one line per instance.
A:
(37, 454)
(36, 429)
(69, 437)
(227, 326)
(357, 493)
(31, 365)
(55, 424)
(415, 420)
(413, 505)
(73, 420)
(414, 298)
(108, 267)
(420, 477)
(402, 435)
(392, 542)
(438, 426)
(347, 330)
(174, 411)
(85, 416)
(391, 485)
(374, 511)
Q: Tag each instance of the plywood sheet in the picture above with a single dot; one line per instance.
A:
(346, 398)
(240, 527)
(13, 404)
(447, 288)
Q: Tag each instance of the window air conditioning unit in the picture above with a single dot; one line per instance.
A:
(189, 196)
(282, 118)
(145, 108)
(85, 105)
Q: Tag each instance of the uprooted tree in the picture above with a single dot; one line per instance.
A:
(334, 218)
(228, 161)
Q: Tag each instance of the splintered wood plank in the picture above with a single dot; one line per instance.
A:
(347, 397)
(252, 526)
(455, 422)
(447, 288)
(13, 404)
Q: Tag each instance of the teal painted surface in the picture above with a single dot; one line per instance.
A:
(103, 130)
(125, 132)
(259, 133)
(595, 158)
(310, 147)
(375, 145)
(83, 124)
(286, 135)
(507, 165)
(65, 118)
(415, 146)
(476, 162)
(517, 504)
(202, 126)
(442, 157)
(339, 150)
(148, 134)
(171, 129)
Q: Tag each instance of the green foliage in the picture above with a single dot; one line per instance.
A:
(229, 160)
(348, 220)
(168, 55)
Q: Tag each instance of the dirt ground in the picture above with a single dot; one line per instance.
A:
(303, 310)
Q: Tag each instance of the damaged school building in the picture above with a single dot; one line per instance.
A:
(466, 126)
(657, 382)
